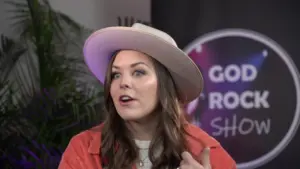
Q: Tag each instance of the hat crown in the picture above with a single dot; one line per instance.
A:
(156, 32)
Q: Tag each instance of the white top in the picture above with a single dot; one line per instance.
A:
(143, 146)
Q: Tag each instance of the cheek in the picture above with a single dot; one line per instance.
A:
(150, 89)
(113, 91)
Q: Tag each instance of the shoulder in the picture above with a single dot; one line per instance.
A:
(87, 138)
(199, 139)
(82, 147)
(198, 136)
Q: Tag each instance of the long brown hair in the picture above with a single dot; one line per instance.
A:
(117, 145)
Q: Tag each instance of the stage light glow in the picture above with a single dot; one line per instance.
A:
(199, 48)
(265, 53)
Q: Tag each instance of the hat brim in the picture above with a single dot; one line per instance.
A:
(103, 43)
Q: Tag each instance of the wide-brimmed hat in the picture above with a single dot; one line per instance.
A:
(101, 44)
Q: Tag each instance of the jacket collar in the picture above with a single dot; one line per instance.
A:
(95, 143)
(197, 140)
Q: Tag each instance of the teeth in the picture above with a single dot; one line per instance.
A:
(125, 98)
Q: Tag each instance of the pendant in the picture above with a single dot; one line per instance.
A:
(141, 164)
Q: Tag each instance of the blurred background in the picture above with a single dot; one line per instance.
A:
(247, 51)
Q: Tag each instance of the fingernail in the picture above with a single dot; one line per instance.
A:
(206, 149)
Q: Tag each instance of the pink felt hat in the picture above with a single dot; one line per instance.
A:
(101, 44)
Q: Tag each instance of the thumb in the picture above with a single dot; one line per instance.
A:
(205, 158)
(187, 157)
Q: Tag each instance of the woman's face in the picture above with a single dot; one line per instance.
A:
(134, 85)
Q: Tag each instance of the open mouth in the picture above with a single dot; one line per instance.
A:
(125, 99)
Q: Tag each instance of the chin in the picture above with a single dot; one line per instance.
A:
(131, 116)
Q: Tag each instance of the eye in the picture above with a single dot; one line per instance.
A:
(139, 72)
(115, 75)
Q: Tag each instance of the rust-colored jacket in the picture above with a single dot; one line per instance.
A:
(83, 151)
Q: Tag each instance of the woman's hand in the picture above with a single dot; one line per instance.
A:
(188, 162)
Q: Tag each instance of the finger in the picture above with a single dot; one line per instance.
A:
(182, 163)
(187, 158)
(205, 158)
(185, 166)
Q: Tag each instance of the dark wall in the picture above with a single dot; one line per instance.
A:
(279, 20)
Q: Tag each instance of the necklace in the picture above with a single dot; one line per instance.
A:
(141, 162)
(143, 151)
(143, 147)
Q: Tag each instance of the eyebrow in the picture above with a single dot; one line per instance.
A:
(132, 65)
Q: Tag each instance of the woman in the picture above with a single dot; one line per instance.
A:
(147, 80)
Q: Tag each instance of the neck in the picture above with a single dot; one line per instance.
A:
(142, 130)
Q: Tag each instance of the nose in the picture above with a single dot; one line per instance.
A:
(125, 82)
